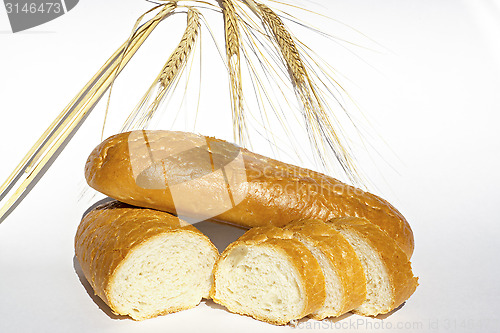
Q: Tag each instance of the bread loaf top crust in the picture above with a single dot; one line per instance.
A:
(168, 171)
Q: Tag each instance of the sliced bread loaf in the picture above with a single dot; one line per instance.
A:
(389, 277)
(144, 263)
(268, 275)
(345, 282)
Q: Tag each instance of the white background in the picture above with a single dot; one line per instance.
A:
(429, 88)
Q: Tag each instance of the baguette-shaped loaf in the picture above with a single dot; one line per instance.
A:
(144, 263)
(268, 275)
(389, 277)
(345, 281)
(197, 176)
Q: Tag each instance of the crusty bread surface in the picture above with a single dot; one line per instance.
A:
(144, 263)
(168, 171)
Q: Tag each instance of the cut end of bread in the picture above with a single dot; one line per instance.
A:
(333, 286)
(345, 284)
(167, 273)
(379, 296)
(389, 277)
(259, 281)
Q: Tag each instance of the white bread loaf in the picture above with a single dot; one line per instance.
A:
(345, 282)
(268, 275)
(389, 277)
(144, 263)
(202, 177)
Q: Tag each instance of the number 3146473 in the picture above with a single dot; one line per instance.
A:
(32, 8)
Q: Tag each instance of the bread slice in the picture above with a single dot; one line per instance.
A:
(144, 263)
(268, 275)
(345, 282)
(389, 277)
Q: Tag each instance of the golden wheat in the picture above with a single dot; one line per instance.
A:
(321, 131)
(232, 42)
(143, 113)
(74, 113)
(323, 135)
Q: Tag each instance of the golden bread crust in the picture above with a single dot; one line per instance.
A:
(274, 193)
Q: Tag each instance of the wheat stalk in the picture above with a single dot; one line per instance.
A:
(232, 42)
(72, 115)
(142, 114)
(321, 131)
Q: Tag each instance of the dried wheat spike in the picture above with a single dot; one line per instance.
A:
(232, 37)
(143, 113)
(322, 133)
(178, 58)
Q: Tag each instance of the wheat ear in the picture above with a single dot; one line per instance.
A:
(232, 42)
(142, 113)
(321, 130)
